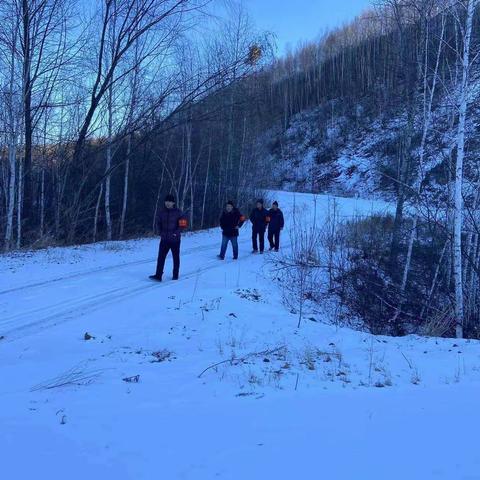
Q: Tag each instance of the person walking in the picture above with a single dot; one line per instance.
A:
(275, 226)
(170, 223)
(259, 218)
(230, 222)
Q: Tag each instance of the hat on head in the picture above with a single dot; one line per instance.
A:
(260, 200)
(230, 203)
(275, 203)
(170, 198)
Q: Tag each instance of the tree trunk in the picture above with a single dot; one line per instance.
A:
(12, 149)
(11, 191)
(125, 186)
(19, 205)
(206, 183)
(27, 112)
(458, 196)
(108, 165)
(155, 212)
(42, 203)
(97, 209)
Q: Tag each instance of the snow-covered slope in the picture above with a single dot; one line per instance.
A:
(332, 149)
(277, 401)
(316, 155)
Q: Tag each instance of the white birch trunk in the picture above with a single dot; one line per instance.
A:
(12, 151)
(206, 183)
(97, 209)
(42, 203)
(125, 187)
(458, 198)
(11, 192)
(133, 106)
(108, 165)
(19, 205)
(154, 222)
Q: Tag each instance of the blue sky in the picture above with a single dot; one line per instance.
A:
(294, 21)
(297, 20)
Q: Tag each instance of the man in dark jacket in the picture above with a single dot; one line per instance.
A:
(275, 226)
(170, 223)
(259, 218)
(230, 223)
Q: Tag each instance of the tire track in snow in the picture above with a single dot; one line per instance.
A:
(98, 270)
(85, 304)
(56, 313)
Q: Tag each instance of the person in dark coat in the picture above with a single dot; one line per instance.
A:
(259, 218)
(275, 226)
(170, 223)
(230, 222)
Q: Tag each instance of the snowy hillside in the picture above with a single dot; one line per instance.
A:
(105, 375)
(334, 156)
(357, 154)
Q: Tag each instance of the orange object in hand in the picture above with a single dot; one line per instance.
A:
(267, 219)
(242, 218)
(182, 223)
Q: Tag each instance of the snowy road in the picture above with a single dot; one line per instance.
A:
(67, 413)
(67, 301)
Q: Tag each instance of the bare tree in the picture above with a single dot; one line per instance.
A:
(458, 198)
(135, 19)
(12, 105)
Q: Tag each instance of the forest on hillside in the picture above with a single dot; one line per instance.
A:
(108, 106)
(102, 117)
(388, 106)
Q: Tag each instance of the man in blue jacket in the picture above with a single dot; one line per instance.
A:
(230, 222)
(275, 226)
(259, 218)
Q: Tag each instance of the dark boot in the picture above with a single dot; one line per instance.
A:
(156, 278)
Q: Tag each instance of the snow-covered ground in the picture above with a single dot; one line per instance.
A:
(315, 402)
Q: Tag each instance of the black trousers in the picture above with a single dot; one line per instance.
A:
(258, 236)
(165, 247)
(274, 239)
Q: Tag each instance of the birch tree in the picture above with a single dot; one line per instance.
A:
(135, 19)
(12, 104)
(458, 195)
(42, 51)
